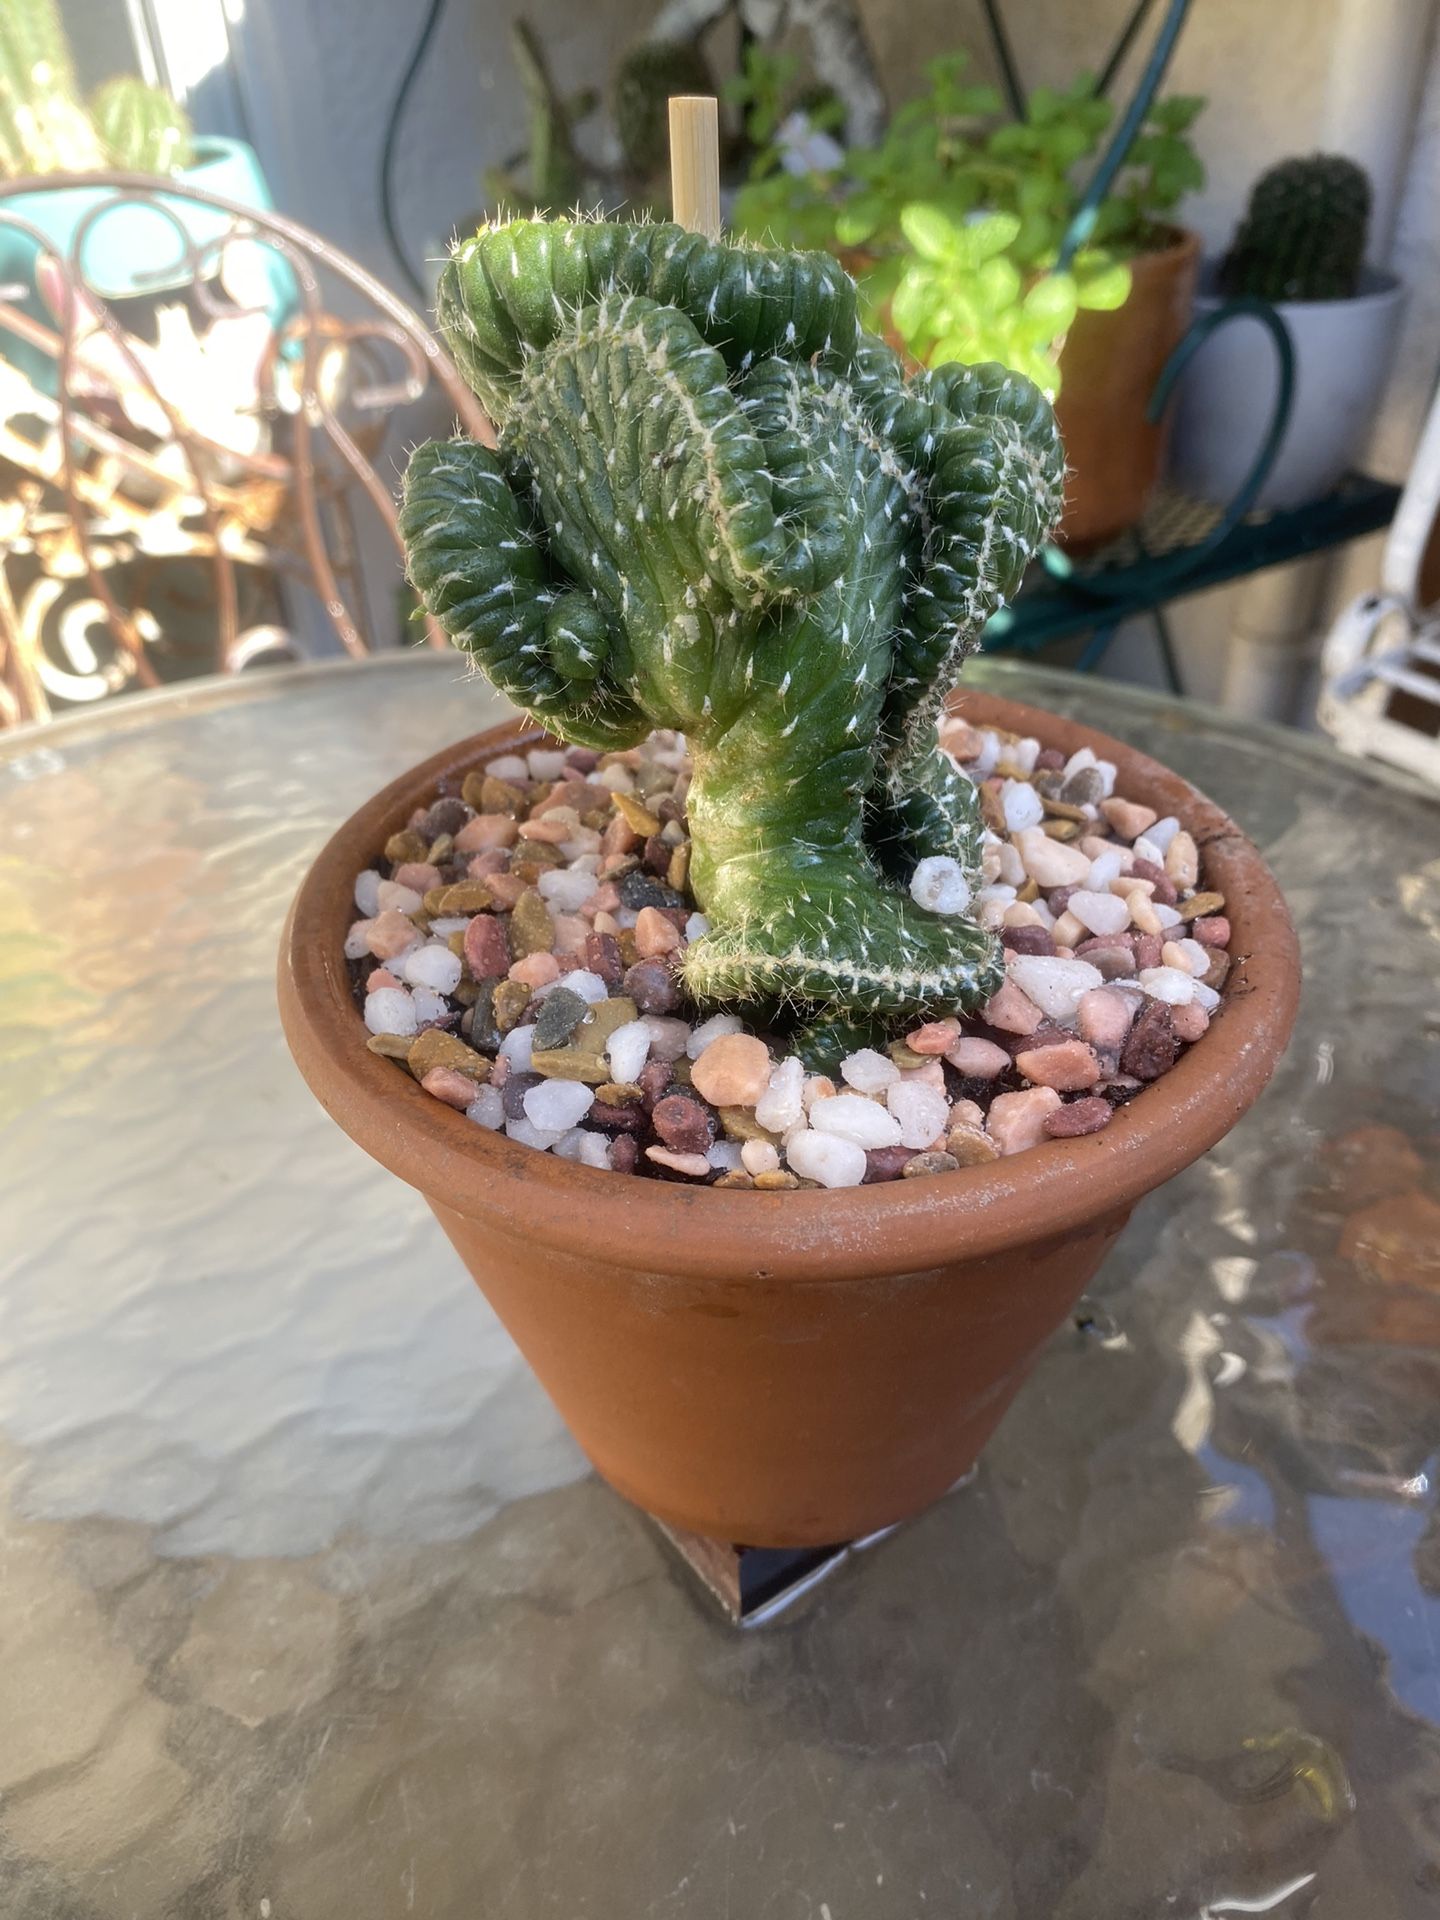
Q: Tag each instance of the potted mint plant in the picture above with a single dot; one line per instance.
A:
(718, 504)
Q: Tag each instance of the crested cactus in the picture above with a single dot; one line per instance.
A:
(717, 505)
(141, 128)
(1304, 231)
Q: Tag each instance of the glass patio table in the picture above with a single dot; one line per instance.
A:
(310, 1609)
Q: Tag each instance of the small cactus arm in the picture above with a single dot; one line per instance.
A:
(717, 506)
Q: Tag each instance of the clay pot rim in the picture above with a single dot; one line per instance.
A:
(816, 1236)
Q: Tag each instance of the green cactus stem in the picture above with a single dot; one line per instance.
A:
(718, 506)
(44, 127)
(1303, 235)
(141, 128)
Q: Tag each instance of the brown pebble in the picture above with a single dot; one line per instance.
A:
(612, 1117)
(394, 1046)
(624, 1152)
(1152, 1046)
(1199, 904)
(619, 1093)
(499, 796)
(513, 1092)
(436, 1048)
(736, 1178)
(739, 1123)
(885, 1163)
(904, 1057)
(1165, 892)
(641, 822)
(655, 1081)
(466, 896)
(1059, 809)
(602, 956)
(1218, 972)
(602, 1020)
(933, 1162)
(510, 999)
(970, 1147)
(678, 871)
(651, 985)
(1027, 940)
(569, 1063)
(531, 928)
(779, 1180)
(682, 1123)
(1062, 830)
(1078, 1117)
(402, 848)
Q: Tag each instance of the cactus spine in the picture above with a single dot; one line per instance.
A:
(1303, 235)
(141, 128)
(718, 506)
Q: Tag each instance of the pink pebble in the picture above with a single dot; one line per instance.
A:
(932, 1074)
(392, 934)
(536, 970)
(967, 1113)
(381, 977)
(506, 887)
(487, 949)
(1011, 1011)
(1017, 1120)
(1078, 1117)
(978, 1059)
(1069, 1066)
(605, 899)
(493, 860)
(487, 831)
(1188, 1022)
(654, 934)
(418, 874)
(454, 1088)
(936, 1036)
(619, 837)
(1212, 931)
(1103, 1020)
(571, 932)
(695, 1164)
(549, 832)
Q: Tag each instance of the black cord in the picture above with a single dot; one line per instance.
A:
(387, 152)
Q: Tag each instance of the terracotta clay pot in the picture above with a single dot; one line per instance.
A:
(1108, 369)
(794, 1368)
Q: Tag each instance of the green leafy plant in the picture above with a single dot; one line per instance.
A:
(1304, 232)
(45, 125)
(717, 504)
(957, 218)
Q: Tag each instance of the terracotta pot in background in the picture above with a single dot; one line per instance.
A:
(1108, 369)
(786, 1369)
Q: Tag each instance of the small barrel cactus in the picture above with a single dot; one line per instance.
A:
(141, 128)
(644, 81)
(718, 505)
(44, 127)
(1304, 231)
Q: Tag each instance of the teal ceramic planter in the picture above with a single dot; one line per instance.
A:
(133, 250)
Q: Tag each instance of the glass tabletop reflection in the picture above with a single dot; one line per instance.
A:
(311, 1610)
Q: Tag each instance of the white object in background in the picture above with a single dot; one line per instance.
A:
(1227, 394)
(1389, 642)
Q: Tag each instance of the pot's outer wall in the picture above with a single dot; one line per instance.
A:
(1108, 369)
(797, 1368)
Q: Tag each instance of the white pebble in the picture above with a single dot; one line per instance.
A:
(1194, 957)
(509, 766)
(1054, 983)
(826, 1157)
(1167, 916)
(1208, 998)
(1166, 983)
(1099, 912)
(625, 918)
(868, 1071)
(586, 1149)
(390, 1010)
(921, 1112)
(392, 897)
(939, 885)
(1021, 805)
(783, 1101)
(617, 778)
(565, 890)
(758, 1156)
(589, 986)
(429, 1006)
(557, 1105)
(357, 940)
(433, 966)
(1162, 833)
(529, 1135)
(989, 753)
(546, 763)
(1082, 757)
(1023, 754)
(367, 892)
(1105, 869)
(712, 1029)
(724, 1154)
(487, 1109)
(668, 1038)
(1043, 912)
(852, 1117)
(1107, 772)
(515, 1048)
(696, 926)
(627, 1050)
(1145, 849)
(450, 923)
(1011, 866)
(992, 902)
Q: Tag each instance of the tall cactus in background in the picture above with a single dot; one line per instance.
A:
(718, 506)
(1304, 231)
(141, 128)
(44, 127)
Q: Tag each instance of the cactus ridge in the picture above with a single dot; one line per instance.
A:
(716, 506)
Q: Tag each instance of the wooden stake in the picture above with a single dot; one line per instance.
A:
(695, 162)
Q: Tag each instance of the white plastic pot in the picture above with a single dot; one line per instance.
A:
(1226, 396)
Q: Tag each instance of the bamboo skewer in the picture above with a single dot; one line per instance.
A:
(695, 162)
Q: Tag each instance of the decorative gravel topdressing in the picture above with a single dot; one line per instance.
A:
(518, 944)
